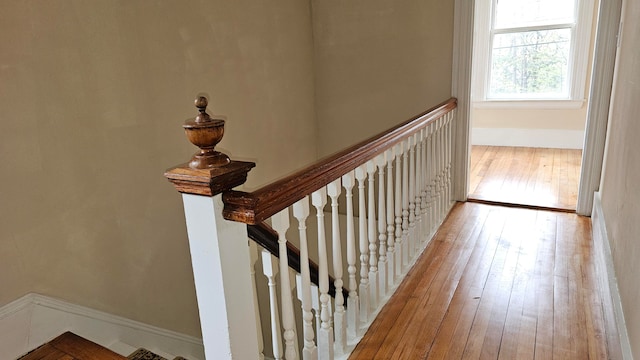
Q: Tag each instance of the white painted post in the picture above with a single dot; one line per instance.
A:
(423, 194)
(439, 148)
(452, 118)
(390, 221)
(220, 259)
(301, 213)
(412, 197)
(315, 304)
(281, 224)
(219, 248)
(381, 163)
(399, 150)
(373, 258)
(361, 176)
(405, 205)
(353, 306)
(325, 335)
(269, 270)
(437, 160)
(334, 189)
(418, 191)
(429, 171)
(253, 258)
(434, 169)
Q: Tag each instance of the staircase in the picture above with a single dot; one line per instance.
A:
(70, 346)
(360, 218)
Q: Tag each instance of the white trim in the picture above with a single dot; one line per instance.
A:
(461, 89)
(600, 97)
(539, 138)
(15, 322)
(605, 272)
(35, 319)
(529, 104)
(578, 62)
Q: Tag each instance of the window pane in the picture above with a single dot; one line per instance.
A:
(532, 64)
(519, 13)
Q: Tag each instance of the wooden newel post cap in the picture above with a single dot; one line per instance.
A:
(205, 133)
(209, 172)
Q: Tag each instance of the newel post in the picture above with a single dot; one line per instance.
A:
(219, 248)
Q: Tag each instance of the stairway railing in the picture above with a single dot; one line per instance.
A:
(398, 210)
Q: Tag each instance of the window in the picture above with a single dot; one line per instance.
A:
(531, 50)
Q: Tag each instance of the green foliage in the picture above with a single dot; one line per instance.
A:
(531, 63)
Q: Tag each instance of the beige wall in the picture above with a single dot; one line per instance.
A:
(621, 174)
(93, 94)
(378, 63)
(557, 119)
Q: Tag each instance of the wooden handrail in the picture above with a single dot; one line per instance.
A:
(255, 207)
(265, 236)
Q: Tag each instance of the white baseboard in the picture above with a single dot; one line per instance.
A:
(605, 272)
(540, 138)
(35, 319)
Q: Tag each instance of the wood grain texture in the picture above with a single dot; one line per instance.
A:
(252, 208)
(538, 177)
(211, 181)
(70, 346)
(497, 283)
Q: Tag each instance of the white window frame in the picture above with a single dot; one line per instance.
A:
(578, 62)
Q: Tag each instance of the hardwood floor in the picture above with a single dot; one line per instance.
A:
(497, 283)
(70, 346)
(528, 176)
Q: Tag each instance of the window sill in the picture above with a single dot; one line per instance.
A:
(529, 104)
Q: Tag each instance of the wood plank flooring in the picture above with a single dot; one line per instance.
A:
(497, 283)
(527, 176)
(70, 346)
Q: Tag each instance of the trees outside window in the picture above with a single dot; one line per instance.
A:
(532, 49)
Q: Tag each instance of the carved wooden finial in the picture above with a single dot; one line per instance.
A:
(209, 172)
(205, 133)
(201, 103)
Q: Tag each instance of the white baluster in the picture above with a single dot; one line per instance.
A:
(390, 221)
(432, 167)
(315, 304)
(371, 229)
(339, 322)
(294, 290)
(450, 156)
(412, 198)
(436, 176)
(405, 205)
(418, 191)
(269, 270)
(445, 166)
(280, 222)
(325, 336)
(423, 194)
(441, 169)
(361, 176)
(301, 213)
(429, 178)
(399, 150)
(315, 301)
(253, 258)
(381, 163)
(353, 307)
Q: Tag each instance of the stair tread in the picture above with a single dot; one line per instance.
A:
(70, 346)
